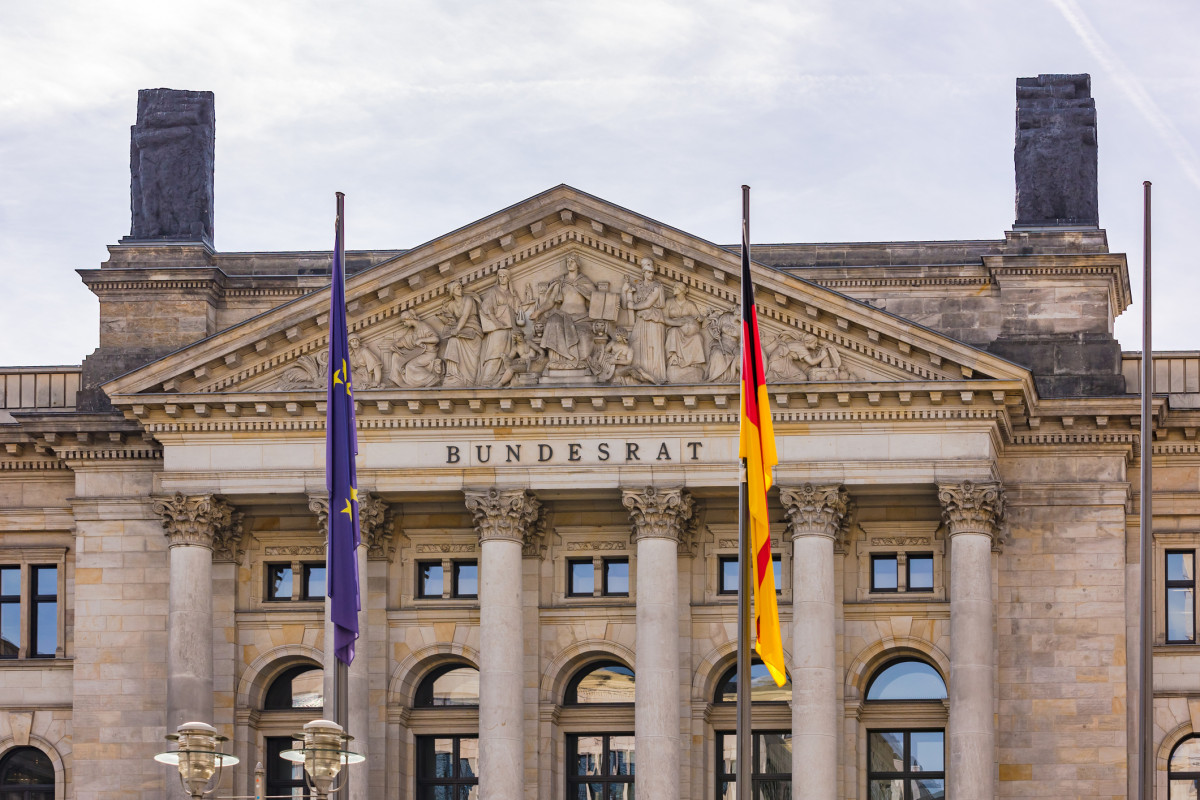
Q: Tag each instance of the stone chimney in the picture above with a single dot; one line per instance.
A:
(171, 162)
(1055, 152)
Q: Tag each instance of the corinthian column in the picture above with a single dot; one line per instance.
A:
(973, 513)
(506, 520)
(816, 517)
(660, 518)
(194, 525)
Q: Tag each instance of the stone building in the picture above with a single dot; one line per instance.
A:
(547, 406)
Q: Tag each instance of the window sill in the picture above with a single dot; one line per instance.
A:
(64, 662)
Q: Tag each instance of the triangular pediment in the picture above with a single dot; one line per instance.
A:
(562, 290)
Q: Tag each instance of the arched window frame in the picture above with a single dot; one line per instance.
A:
(575, 719)
(897, 715)
(45, 791)
(426, 723)
(769, 718)
(274, 726)
(1178, 780)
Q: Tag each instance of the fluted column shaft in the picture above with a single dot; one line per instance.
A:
(973, 514)
(660, 518)
(816, 514)
(191, 523)
(504, 519)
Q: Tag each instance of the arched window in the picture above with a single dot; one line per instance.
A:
(447, 756)
(1183, 770)
(905, 714)
(598, 717)
(295, 696)
(771, 749)
(26, 773)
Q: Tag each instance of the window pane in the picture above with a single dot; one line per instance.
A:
(620, 791)
(920, 573)
(10, 581)
(773, 790)
(1180, 567)
(606, 683)
(762, 687)
(10, 629)
(45, 581)
(429, 580)
(886, 790)
(884, 570)
(466, 579)
(1181, 606)
(928, 751)
(774, 753)
(308, 689)
(314, 582)
(279, 582)
(886, 751)
(26, 766)
(468, 757)
(929, 789)
(46, 634)
(1185, 790)
(620, 755)
(581, 577)
(441, 759)
(616, 577)
(454, 687)
(729, 575)
(1186, 756)
(907, 680)
(729, 755)
(589, 753)
(777, 568)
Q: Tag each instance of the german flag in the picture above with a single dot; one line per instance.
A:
(757, 449)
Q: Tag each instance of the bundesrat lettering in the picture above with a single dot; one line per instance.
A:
(575, 451)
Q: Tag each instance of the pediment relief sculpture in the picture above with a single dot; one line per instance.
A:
(571, 322)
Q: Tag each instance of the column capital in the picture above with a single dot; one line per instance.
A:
(969, 507)
(817, 510)
(374, 522)
(659, 513)
(202, 520)
(508, 515)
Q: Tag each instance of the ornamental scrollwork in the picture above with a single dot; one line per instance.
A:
(970, 507)
(203, 520)
(818, 510)
(660, 513)
(509, 515)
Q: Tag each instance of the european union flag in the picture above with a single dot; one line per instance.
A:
(341, 444)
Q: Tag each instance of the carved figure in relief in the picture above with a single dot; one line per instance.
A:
(523, 357)
(824, 360)
(786, 359)
(308, 372)
(615, 363)
(647, 299)
(562, 308)
(499, 312)
(423, 368)
(463, 335)
(686, 358)
(724, 353)
(365, 365)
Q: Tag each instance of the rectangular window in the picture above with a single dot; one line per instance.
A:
(772, 759)
(314, 582)
(43, 621)
(447, 767)
(10, 612)
(466, 579)
(600, 765)
(885, 573)
(727, 566)
(1181, 596)
(284, 778)
(581, 578)
(777, 568)
(920, 572)
(429, 579)
(906, 765)
(616, 577)
(279, 581)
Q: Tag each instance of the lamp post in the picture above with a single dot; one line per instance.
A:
(323, 754)
(196, 757)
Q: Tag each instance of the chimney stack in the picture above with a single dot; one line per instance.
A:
(1055, 152)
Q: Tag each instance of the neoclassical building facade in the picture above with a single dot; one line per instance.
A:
(547, 425)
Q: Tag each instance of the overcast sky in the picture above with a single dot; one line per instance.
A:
(853, 120)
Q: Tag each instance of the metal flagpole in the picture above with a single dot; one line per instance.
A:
(745, 578)
(1146, 533)
(341, 704)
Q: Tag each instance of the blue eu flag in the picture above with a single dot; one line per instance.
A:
(341, 441)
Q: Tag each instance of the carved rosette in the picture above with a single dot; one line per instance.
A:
(973, 508)
(513, 515)
(660, 513)
(818, 510)
(374, 522)
(202, 520)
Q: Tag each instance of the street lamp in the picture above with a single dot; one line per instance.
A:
(323, 754)
(196, 757)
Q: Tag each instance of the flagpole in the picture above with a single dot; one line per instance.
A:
(341, 705)
(745, 577)
(1146, 532)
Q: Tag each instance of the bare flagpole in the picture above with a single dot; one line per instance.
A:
(745, 582)
(1146, 532)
